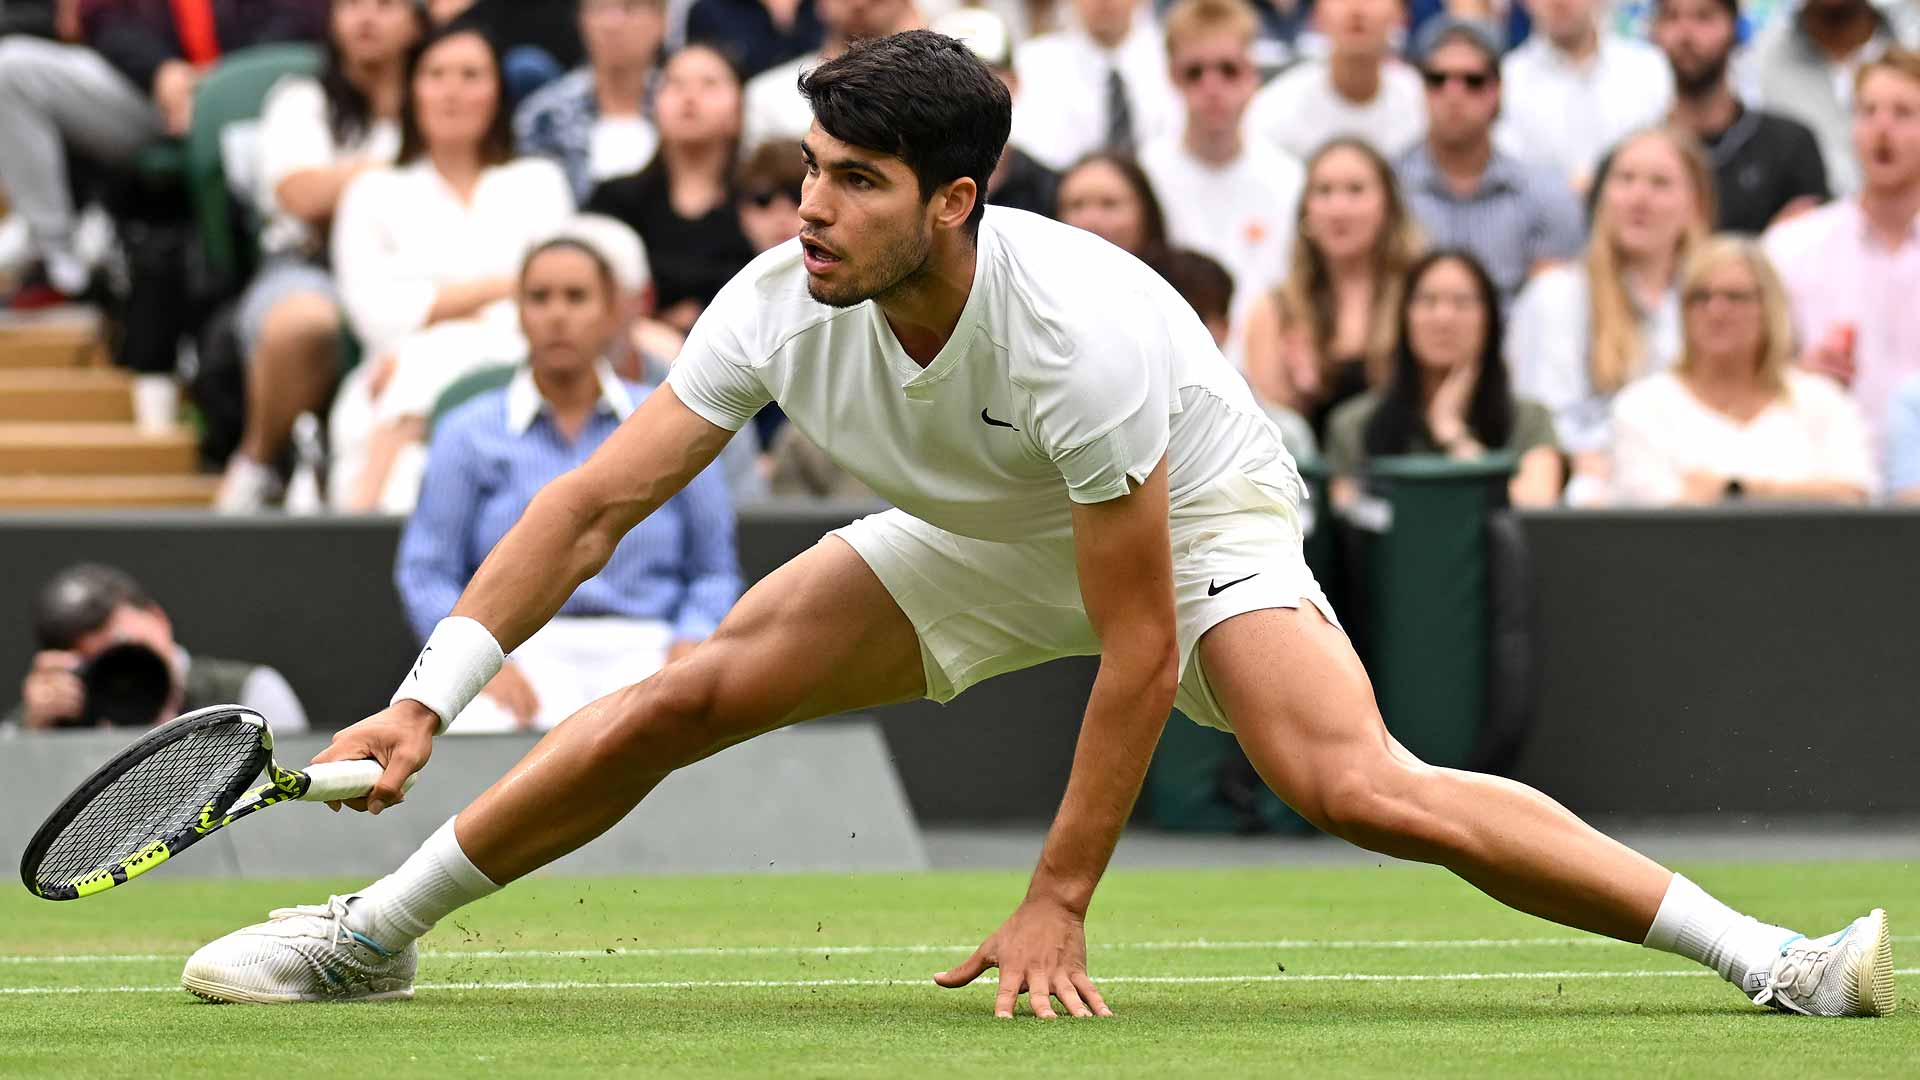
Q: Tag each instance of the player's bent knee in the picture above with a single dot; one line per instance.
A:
(1379, 806)
(667, 721)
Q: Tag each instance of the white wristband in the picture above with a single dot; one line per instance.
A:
(459, 659)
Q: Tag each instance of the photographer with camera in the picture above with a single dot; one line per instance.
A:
(108, 659)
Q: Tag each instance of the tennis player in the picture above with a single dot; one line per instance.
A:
(1076, 471)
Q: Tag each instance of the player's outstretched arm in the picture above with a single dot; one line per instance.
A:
(1125, 566)
(566, 536)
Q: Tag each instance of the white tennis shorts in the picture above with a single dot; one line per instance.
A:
(983, 608)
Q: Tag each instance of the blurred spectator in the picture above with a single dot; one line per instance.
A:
(127, 81)
(1903, 444)
(759, 33)
(669, 581)
(1580, 332)
(1225, 195)
(1099, 85)
(88, 612)
(774, 109)
(1573, 90)
(682, 204)
(1449, 392)
(537, 39)
(1852, 268)
(1108, 195)
(1734, 418)
(1765, 166)
(1018, 180)
(766, 194)
(424, 255)
(315, 137)
(1513, 216)
(593, 120)
(1328, 333)
(1359, 90)
(1805, 67)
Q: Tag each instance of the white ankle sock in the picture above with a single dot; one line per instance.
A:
(432, 882)
(1694, 925)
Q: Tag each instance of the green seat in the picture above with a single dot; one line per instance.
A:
(232, 92)
(468, 387)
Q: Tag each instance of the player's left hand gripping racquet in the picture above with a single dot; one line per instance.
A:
(177, 783)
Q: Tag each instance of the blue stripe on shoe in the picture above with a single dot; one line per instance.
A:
(385, 954)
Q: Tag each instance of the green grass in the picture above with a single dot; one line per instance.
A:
(1270, 1005)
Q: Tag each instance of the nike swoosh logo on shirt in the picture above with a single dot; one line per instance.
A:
(991, 422)
(1216, 590)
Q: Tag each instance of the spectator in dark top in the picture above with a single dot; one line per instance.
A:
(128, 80)
(682, 204)
(1110, 196)
(1449, 392)
(1018, 180)
(88, 609)
(1513, 216)
(759, 33)
(1765, 166)
(594, 119)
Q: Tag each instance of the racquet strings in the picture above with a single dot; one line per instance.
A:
(155, 799)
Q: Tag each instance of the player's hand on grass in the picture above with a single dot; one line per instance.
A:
(399, 737)
(1041, 951)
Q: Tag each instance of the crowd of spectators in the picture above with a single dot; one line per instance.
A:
(1659, 253)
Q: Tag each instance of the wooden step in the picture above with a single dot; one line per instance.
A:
(57, 394)
(82, 449)
(61, 492)
(63, 338)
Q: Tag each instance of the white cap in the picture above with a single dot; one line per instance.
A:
(613, 240)
(980, 30)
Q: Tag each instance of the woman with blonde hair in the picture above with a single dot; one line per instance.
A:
(1581, 332)
(1734, 418)
(1328, 333)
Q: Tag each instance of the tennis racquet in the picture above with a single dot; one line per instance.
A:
(179, 782)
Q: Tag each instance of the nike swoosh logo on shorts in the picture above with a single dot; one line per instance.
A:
(995, 423)
(1216, 590)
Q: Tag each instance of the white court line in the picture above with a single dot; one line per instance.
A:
(1197, 945)
(802, 984)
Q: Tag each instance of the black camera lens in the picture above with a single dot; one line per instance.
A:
(127, 686)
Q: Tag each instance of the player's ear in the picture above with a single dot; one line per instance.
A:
(953, 203)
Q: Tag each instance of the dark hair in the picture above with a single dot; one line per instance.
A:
(922, 97)
(349, 113)
(1154, 243)
(1489, 412)
(1732, 7)
(603, 268)
(1202, 282)
(80, 599)
(496, 146)
(775, 166)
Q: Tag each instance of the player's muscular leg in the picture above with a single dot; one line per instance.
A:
(1304, 712)
(817, 637)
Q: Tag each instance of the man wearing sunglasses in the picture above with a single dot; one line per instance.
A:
(1465, 192)
(1226, 196)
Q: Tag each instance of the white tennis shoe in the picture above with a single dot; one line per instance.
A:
(1849, 973)
(306, 953)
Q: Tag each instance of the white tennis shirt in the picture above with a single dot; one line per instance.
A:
(1074, 368)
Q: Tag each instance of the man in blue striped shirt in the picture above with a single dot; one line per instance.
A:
(1514, 217)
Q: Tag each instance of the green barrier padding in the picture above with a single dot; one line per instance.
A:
(1200, 782)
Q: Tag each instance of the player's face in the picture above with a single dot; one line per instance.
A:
(455, 92)
(1647, 198)
(1462, 103)
(698, 99)
(621, 32)
(1358, 27)
(1698, 37)
(1346, 205)
(1446, 318)
(1217, 79)
(864, 228)
(1724, 317)
(1886, 130)
(566, 311)
(1096, 197)
(373, 31)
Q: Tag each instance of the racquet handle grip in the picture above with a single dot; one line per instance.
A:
(335, 780)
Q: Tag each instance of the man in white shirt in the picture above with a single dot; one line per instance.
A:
(1075, 470)
(1101, 85)
(772, 107)
(1359, 89)
(1572, 91)
(1224, 195)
